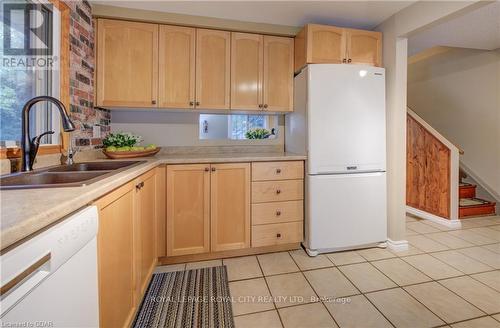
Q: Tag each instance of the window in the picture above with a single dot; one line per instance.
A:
(24, 79)
(236, 127)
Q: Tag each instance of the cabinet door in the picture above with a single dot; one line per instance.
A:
(325, 44)
(213, 64)
(146, 229)
(364, 47)
(188, 209)
(230, 206)
(176, 67)
(115, 255)
(127, 64)
(246, 71)
(278, 74)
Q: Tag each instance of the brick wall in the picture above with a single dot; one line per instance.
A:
(82, 110)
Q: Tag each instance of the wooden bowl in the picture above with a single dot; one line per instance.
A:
(130, 154)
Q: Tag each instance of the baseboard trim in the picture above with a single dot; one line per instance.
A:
(397, 245)
(434, 218)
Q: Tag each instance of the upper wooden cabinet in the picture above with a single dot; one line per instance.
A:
(127, 64)
(316, 44)
(176, 85)
(278, 74)
(213, 65)
(247, 52)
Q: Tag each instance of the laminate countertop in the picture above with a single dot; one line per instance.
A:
(25, 212)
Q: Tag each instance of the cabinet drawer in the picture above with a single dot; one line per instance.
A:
(275, 234)
(264, 171)
(276, 212)
(277, 191)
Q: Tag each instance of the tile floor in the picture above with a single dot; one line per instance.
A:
(448, 278)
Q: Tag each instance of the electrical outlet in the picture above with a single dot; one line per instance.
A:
(96, 131)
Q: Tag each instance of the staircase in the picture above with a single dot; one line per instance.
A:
(470, 206)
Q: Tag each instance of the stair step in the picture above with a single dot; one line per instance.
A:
(467, 190)
(470, 207)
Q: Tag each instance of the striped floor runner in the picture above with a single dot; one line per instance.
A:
(193, 298)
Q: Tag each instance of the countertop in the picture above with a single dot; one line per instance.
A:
(24, 212)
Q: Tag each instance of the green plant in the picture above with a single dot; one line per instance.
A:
(258, 133)
(121, 139)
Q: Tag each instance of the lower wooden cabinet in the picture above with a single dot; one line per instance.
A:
(127, 249)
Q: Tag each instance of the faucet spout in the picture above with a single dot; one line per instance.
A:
(29, 148)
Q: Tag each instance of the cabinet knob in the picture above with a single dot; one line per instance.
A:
(191, 103)
(265, 106)
(278, 171)
(207, 169)
(197, 103)
(344, 60)
(278, 213)
(350, 60)
(153, 102)
(278, 191)
(213, 169)
(260, 105)
(278, 235)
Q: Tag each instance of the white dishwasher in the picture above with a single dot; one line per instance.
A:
(51, 279)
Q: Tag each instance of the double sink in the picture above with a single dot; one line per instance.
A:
(74, 175)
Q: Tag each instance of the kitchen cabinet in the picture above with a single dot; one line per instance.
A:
(127, 64)
(247, 68)
(316, 44)
(278, 74)
(188, 209)
(230, 206)
(213, 65)
(176, 57)
(115, 244)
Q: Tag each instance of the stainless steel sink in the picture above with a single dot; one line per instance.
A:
(75, 175)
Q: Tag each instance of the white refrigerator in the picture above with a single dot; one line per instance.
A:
(339, 122)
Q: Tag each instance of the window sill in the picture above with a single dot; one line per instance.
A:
(15, 152)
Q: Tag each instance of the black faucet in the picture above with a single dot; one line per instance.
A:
(30, 146)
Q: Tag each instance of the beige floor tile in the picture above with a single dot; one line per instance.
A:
(491, 279)
(485, 322)
(402, 309)
(309, 315)
(357, 312)
(426, 244)
(445, 304)
(487, 232)
(432, 266)
(366, 277)
(461, 262)
(449, 240)
(306, 262)
(437, 225)
(242, 268)
(203, 264)
(495, 227)
(412, 250)
(374, 254)
(497, 317)
(484, 255)
(472, 237)
(277, 263)
(343, 258)
(290, 289)
(493, 247)
(411, 219)
(250, 296)
(262, 319)
(480, 295)
(170, 268)
(421, 227)
(400, 272)
(330, 283)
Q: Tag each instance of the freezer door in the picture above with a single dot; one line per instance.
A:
(346, 118)
(345, 210)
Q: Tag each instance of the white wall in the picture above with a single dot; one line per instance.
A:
(457, 93)
(178, 129)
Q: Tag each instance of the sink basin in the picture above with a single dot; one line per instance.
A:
(93, 166)
(75, 175)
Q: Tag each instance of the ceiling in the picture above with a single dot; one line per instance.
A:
(479, 29)
(357, 14)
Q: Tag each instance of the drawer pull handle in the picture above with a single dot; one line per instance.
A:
(278, 171)
(278, 213)
(278, 191)
(207, 169)
(278, 235)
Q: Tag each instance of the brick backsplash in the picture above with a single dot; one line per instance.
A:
(82, 111)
